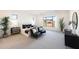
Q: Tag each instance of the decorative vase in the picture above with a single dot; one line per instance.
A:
(74, 31)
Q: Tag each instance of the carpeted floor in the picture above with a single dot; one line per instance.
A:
(15, 41)
(49, 40)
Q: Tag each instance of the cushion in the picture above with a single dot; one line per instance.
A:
(40, 28)
(34, 30)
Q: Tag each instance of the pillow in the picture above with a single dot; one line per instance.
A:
(40, 28)
(34, 30)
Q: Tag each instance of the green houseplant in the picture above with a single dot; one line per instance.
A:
(5, 25)
(61, 23)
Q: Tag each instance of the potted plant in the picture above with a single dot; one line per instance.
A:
(5, 25)
(61, 23)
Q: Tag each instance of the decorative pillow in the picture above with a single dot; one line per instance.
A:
(34, 30)
(40, 28)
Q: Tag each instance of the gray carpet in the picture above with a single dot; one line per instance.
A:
(49, 40)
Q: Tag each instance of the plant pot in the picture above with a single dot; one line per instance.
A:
(62, 30)
(4, 36)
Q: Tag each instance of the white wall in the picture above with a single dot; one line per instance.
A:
(26, 17)
(22, 18)
(58, 13)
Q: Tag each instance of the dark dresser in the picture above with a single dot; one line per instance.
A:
(71, 40)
